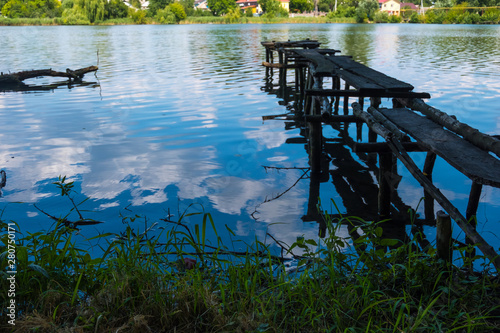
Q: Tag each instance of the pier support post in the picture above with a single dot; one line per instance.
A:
(470, 213)
(443, 236)
(315, 145)
(374, 102)
(385, 188)
(336, 86)
(346, 100)
(430, 160)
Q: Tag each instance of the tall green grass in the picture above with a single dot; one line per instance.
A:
(146, 282)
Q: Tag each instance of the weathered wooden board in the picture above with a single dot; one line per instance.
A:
(472, 161)
(349, 65)
(361, 83)
(309, 44)
(365, 93)
(323, 66)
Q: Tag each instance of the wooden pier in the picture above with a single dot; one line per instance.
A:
(322, 90)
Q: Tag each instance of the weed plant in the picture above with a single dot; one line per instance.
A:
(178, 281)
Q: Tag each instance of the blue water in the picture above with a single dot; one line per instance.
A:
(175, 119)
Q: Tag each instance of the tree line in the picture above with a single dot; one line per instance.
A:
(174, 11)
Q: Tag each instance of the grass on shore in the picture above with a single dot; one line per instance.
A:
(144, 283)
(4, 21)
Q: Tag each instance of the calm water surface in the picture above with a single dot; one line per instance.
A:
(175, 119)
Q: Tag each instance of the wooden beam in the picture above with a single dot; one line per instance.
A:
(381, 93)
(481, 140)
(383, 147)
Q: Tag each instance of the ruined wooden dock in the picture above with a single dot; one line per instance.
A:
(325, 83)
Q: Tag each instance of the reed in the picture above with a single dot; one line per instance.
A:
(178, 280)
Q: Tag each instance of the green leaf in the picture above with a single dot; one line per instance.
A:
(39, 269)
(311, 242)
(388, 242)
(302, 262)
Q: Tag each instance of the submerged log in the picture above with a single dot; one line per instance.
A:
(16, 79)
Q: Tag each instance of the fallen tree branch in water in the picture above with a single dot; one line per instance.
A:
(16, 79)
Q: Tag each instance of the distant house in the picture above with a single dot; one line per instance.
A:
(285, 4)
(252, 4)
(394, 7)
(201, 4)
(409, 6)
(256, 9)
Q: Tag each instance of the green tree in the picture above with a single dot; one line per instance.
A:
(381, 17)
(95, 10)
(15, 9)
(394, 19)
(343, 11)
(135, 3)
(137, 15)
(414, 18)
(178, 11)
(66, 4)
(301, 6)
(444, 3)
(221, 7)
(360, 15)
(269, 6)
(2, 3)
(165, 16)
(233, 15)
(406, 12)
(326, 5)
(32, 8)
(188, 6)
(156, 5)
(116, 9)
(369, 7)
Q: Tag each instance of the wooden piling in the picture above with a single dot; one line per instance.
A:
(443, 236)
(470, 213)
(315, 146)
(335, 99)
(430, 160)
(346, 100)
(385, 188)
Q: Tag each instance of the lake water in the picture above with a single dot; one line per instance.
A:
(175, 119)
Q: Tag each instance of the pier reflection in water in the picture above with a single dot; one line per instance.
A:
(353, 174)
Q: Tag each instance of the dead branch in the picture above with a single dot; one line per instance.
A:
(16, 79)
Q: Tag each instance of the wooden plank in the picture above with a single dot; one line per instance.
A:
(288, 44)
(370, 93)
(473, 162)
(481, 140)
(362, 84)
(323, 66)
(275, 65)
(383, 147)
(349, 65)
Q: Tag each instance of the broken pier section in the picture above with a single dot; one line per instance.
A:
(325, 83)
